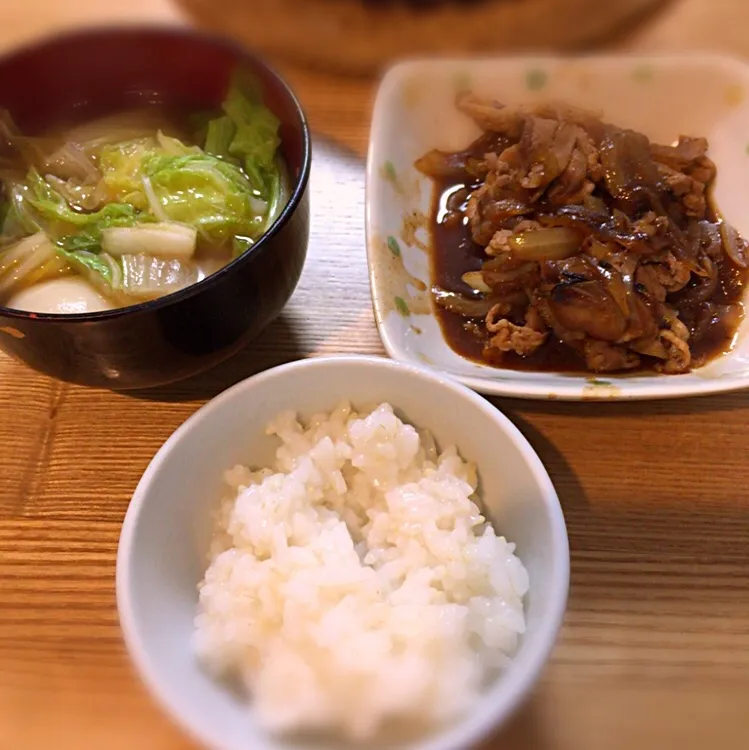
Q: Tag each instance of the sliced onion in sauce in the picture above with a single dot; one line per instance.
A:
(478, 307)
(595, 204)
(475, 280)
(704, 288)
(735, 247)
(442, 165)
(495, 278)
(620, 280)
(553, 243)
(465, 306)
(618, 290)
(599, 250)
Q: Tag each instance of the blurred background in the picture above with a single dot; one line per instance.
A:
(333, 50)
(358, 36)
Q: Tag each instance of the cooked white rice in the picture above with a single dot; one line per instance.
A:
(356, 580)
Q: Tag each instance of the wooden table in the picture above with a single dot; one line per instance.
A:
(654, 654)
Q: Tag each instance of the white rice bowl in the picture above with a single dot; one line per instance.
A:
(355, 582)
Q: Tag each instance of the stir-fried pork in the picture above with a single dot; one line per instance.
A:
(593, 237)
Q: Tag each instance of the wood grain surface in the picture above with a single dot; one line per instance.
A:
(654, 654)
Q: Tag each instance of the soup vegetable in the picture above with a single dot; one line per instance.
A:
(134, 206)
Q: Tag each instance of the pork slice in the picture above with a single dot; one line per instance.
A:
(703, 170)
(668, 271)
(689, 191)
(492, 116)
(628, 169)
(648, 278)
(588, 120)
(572, 185)
(684, 153)
(545, 149)
(508, 337)
(674, 338)
(601, 356)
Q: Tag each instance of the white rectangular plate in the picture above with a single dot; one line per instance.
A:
(664, 97)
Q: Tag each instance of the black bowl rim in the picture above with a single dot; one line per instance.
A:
(300, 186)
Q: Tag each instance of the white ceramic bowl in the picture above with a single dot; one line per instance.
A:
(415, 111)
(162, 551)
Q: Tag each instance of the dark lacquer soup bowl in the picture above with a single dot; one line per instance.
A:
(101, 71)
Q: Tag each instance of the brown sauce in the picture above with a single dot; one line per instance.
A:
(453, 253)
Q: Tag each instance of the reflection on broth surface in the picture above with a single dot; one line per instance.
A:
(136, 205)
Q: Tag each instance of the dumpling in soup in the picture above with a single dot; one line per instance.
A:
(66, 296)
